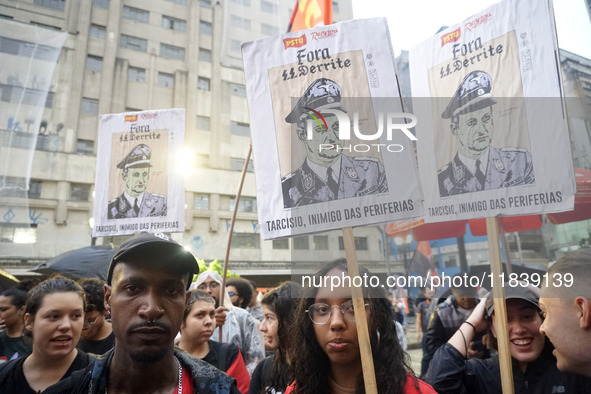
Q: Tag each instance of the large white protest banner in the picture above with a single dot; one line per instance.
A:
(332, 147)
(492, 132)
(138, 187)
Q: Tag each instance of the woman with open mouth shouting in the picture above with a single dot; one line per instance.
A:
(54, 316)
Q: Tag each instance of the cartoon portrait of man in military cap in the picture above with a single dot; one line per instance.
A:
(326, 173)
(477, 165)
(135, 201)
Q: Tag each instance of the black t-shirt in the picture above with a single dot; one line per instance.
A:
(14, 376)
(221, 355)
(99, 347)
(13, 348)
(261, 377)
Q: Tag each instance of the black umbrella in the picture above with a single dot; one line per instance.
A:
(7, 280)
(87, 262)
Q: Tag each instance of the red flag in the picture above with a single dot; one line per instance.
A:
(421, 263)
(310, 13)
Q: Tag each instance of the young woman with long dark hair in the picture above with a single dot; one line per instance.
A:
(274, 373)
(325, 352)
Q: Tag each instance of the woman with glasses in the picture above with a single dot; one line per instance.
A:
(325, 352)
(274, 374)
(54, 316)
(97, 333)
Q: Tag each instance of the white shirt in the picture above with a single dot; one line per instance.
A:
(471, 163)
(322, 171)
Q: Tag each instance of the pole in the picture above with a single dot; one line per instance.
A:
(226, 259)
(496, 266)
(369, 376)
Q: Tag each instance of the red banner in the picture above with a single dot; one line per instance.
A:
(310, 13)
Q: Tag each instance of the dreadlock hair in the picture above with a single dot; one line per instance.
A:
(282, 301)
(310, 363)
(95, 294)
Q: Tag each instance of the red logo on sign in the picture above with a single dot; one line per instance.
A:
(149, 115)
(295, 42)
(131, 118)
(478, 21)
(451, 37)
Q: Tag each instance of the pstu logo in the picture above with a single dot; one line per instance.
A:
(295, 42)
(451, 37)
(344, 124)
(131, 118)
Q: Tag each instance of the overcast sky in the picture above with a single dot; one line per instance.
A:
(412, 22)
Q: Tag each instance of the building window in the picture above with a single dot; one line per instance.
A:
(136, 14)
(85, 147)
(201, 201)
(94, 63)
(172, 52)
(237, 90)
(320, 242)
(235, 46)
(269, 30)
(55, 4)
(205, 28)
(205, 55)
(240, 22)
(267, 6)
(587, 85)
(133, 43)
(98, 32)
(166, 80)
(135, 74)
(239, 128)
(360, 243)
(237, 164)
(335, 7)
(35, 188)
(246, 241)
(246, 204)
(203, 123)
(182, 2)
(203, 83)
(101, 4)
(15, 94)
(79, 192)
(18, 233)
(301, 243)
(168, 22)
(243, 2)
(205, 3)
(13, 186)
(89, 106)
(282, 243)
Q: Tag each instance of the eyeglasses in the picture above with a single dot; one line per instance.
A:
(321, 313)
(232, 294)
(212, 286)
(90, 322)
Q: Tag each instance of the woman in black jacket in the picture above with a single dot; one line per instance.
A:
(534, 366)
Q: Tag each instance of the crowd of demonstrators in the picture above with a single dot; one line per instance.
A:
(254, 306)
(97, 334)
(146, 294)
(446, 318)
(54, 316)
(239, 291)
(274, 373)
(533, 365)
(566, 305)
(13, 344)
(196, 331)
(325, 354)
(236, 324)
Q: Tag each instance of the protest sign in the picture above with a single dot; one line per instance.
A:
(332, 146)
(492, 132)
(138, 187)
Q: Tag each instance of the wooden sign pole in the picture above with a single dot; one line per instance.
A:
(227, 258)
(496, 266)
(369, 376)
